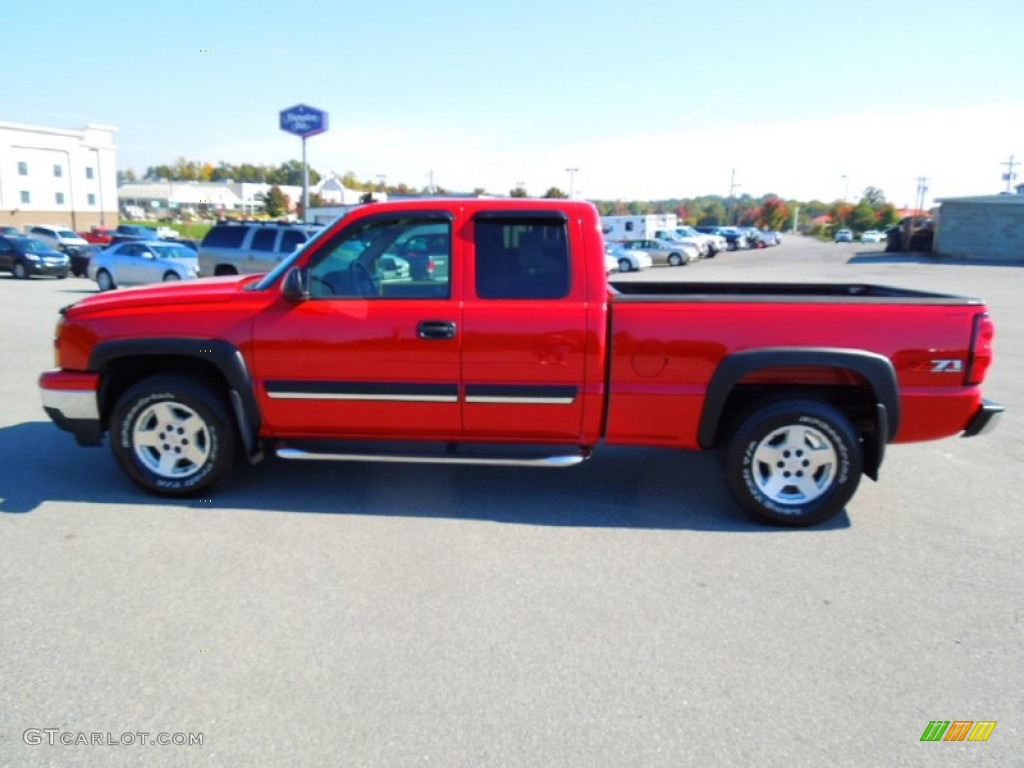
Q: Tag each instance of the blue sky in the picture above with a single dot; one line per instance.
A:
(647, 100)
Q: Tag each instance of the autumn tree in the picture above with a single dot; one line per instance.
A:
(774, 213)
(275, 202)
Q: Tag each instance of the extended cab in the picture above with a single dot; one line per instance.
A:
(518, 352)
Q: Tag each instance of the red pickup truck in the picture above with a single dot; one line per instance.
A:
(514, 350)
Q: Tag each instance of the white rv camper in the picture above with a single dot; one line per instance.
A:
(643, 227)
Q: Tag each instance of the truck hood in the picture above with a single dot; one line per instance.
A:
(208, 290)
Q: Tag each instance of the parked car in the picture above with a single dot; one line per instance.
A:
(734, 239)
(872, 236)
(80, 258)
(611, 264)
(26, 257)
(844, 236)
(246, 247)
(8, 230)
(627, 259)
(97, 235)
(142, 262)
(674, 254)
(673, 236)
(716, 243)
(771, 237)
(60, 238)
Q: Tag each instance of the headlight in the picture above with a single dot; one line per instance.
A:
(32, 256)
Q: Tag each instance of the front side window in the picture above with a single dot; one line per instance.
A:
(401, 256)
(228, 236)
(521, 258)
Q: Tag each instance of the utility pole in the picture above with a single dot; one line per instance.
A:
(922, 189)
(572, 179)
(430, 185)
(1009, 177)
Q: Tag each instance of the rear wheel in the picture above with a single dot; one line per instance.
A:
(674, 259)
(20, 271)
(170, 277)
(172, 436)
(793, 462)
(625, 265)
(104, 280)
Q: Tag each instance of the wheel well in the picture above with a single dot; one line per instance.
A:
(855, 402)
(124, 372)
(224, 269)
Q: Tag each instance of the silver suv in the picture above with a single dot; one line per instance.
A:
(246, 247)
(60, 238)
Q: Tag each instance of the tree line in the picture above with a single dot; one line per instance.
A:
(871, 211)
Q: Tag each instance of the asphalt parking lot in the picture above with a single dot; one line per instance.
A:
(623, 613)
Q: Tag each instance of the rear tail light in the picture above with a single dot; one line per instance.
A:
(430, 265)
(980, 356)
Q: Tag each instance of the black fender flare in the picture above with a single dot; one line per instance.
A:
(874, 368)
(225, 357)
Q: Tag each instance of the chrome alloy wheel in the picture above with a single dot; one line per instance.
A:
(794, 464)
(171, 440)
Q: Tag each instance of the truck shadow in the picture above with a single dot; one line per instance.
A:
(639, 488)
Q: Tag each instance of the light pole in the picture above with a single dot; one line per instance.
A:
(846, 189)
(380, 180)
(572, 179)
(732, 191)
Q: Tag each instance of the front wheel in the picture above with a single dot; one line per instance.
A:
(104, 280)
(172, 436)
(20, 270)
(625, 265)
(793, 462)
(170, 277)
(674, 259)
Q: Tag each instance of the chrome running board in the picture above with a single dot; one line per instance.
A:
(559, 461)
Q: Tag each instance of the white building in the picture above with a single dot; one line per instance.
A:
(332, 191)
(58, 176)
(171, 199)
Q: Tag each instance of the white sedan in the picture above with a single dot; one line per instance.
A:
(141, 263)
(872, 236)
(626, 259)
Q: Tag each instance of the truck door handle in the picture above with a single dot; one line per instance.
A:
(436, 329)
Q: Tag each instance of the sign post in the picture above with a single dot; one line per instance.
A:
(305, 121)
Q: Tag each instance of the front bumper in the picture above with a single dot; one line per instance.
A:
(51, 268)
(984, 419)
(69, 399)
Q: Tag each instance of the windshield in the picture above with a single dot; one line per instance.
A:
(271, 277)
(31, 245)
(66, 233)
(173, 252)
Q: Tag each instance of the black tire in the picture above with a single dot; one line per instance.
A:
(625, 265)
(674, 259)
(170, 277)
(20, 271)
(104, 281)
(224, 269)
(793, 462)
(173, 436)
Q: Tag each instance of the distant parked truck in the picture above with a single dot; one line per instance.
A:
(640, 227)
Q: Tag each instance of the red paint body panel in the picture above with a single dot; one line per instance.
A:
(629, 369)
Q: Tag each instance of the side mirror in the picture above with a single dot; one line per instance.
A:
(296, 284)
